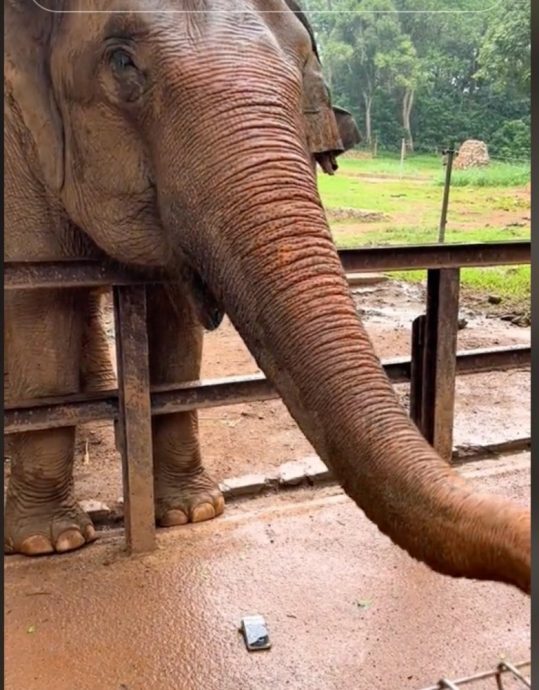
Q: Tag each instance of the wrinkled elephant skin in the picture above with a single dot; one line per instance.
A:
(185, 143)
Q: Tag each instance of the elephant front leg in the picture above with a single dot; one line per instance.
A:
(41, 514)
(42, 350)
(184, 492)
(97, 369)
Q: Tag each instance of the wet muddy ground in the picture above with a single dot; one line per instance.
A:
(255, 437)
(345, 609)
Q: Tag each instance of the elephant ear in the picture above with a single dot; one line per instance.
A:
(330, 130)
(27, 36)
(348, 129)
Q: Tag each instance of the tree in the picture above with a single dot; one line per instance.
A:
(505, 55)
(359, 50)
(434, 76)
(401, 69)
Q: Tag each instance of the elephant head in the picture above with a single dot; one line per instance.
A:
(183, 132)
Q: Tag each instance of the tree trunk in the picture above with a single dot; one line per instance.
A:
(407, 104)
(367, 98)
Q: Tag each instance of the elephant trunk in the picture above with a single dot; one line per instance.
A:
(262, 244)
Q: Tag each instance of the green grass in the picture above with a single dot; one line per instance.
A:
(387, 196)
(404, 235)
(420, 165)
(495, 175)
(418, 204)
(485, 205)
(511, 283)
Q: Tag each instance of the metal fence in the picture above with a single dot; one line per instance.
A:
(503, 669)
(431, 370)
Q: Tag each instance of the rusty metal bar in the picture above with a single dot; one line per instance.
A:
(430, 256)
(135, 420)
(45, 413)
(492, 359)
(78, 273)
(435, 373)
(416, 369)
(433, 364)
(84, 273)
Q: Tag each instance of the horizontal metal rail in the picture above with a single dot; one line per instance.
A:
(135, 402)
(70, 410)
(84, 273)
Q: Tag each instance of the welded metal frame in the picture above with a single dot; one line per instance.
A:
(431, 370)
(87, 273)
(434, 354)
(134, 431)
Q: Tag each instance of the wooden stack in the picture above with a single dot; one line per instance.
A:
(472, 154)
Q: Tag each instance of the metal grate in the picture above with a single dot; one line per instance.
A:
(501, 670)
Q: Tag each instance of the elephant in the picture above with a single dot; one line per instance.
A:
(181, 137)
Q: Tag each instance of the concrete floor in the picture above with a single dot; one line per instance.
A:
(345, 608)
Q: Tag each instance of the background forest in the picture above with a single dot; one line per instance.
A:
(430, 71)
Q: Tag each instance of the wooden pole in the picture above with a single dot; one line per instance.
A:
(445, 202)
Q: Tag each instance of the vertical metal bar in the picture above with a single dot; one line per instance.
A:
(440, 359)
(445, 201)
(135, 423)
(416, 369)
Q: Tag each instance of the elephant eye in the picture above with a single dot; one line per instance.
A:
(129, 80)
(120, 60)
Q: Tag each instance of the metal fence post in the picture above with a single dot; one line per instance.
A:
(445, 201)
(135, 420)
(416, 369)
(434, 361)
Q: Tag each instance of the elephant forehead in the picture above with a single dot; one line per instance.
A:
(193, 20)
(173, 32)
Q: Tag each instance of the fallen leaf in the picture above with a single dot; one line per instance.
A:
(363, 604)
(31, 629)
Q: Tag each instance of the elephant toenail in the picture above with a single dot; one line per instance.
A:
(204, 511)
(173, 518)
(90, 533)
(219, 505)
(69, 540)
(36, 545)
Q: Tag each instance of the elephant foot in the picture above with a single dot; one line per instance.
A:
(46, 528)
(188, 498)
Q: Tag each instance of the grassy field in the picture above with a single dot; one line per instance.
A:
(490, 204)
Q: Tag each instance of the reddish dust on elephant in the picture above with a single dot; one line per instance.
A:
(185, 144)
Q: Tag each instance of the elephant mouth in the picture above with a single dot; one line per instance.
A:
(208, 310)
(205, 306)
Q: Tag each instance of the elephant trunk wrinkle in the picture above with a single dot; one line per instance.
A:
(268, 256)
